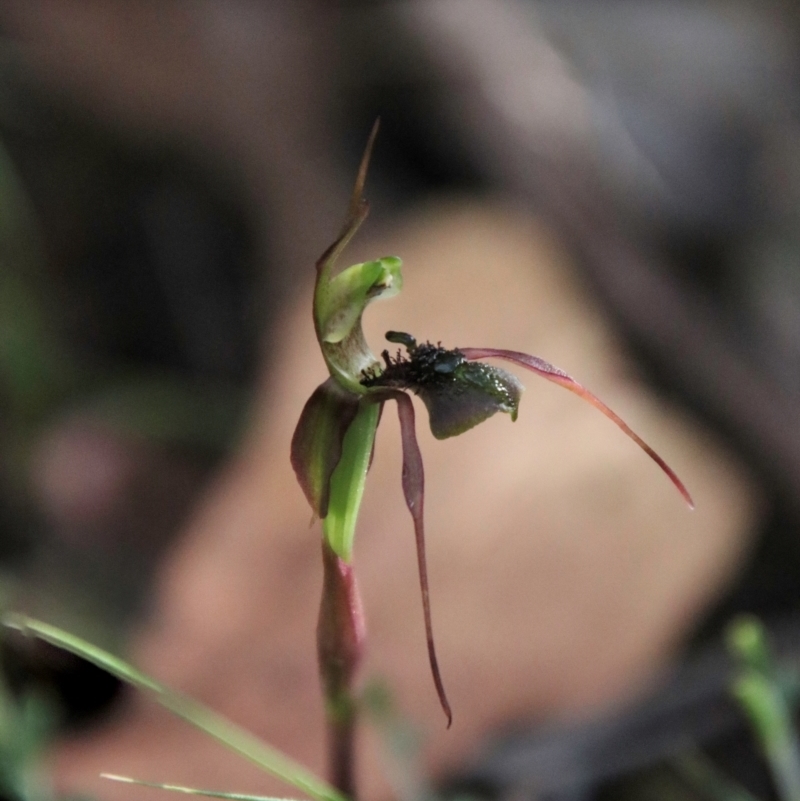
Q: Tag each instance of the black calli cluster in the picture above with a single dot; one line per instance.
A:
(424, 365)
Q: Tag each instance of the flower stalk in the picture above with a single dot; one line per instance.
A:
(340, 647)
(341, 628)
(333, 443)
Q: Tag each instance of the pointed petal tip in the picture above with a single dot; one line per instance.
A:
(358, 205)
(682, 489)
(672, 476)
(666, 469)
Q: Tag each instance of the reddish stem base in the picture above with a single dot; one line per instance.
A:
(340, 645)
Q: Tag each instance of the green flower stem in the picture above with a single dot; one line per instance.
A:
(347, 482)
(340, 631)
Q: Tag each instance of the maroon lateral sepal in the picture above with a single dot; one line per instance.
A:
(317, 441)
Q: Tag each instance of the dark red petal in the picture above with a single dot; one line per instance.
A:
(317, 441)
(558, 376)
(414, 491)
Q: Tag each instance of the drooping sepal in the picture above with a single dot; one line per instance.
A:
(317, 441)
(413, 481)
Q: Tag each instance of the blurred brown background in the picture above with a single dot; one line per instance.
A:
(610, 186)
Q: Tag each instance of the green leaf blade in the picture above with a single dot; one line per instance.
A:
(198, 715)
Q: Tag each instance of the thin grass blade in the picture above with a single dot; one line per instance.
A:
(176, 788)
(220, 728)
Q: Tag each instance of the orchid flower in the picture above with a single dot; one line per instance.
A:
(333, 443)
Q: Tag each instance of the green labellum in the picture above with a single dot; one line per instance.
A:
(458, 393)
(468, 395)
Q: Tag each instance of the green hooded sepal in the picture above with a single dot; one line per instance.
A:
(341, 295)
(339, 304)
